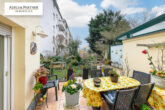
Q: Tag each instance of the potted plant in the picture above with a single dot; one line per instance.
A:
(158, 77)
(72, 90)
(114, 76)
(41, 75)
(42, 99)
(37, 87)
(158, 74)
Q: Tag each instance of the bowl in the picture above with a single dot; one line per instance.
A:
(97, 80)
(97, 84)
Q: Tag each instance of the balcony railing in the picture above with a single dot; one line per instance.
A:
(61, 36)
(61, 25)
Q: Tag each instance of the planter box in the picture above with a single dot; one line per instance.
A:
(72, 100)
(160, 82)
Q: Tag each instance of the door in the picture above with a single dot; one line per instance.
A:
(1, 71)
(5, 61)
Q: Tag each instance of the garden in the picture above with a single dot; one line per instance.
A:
(134, 67)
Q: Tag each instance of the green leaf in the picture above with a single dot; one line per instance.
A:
(145, 107)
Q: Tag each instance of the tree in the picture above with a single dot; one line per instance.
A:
(140, 19)
(117, 27)
(107, 26)
(73, 47)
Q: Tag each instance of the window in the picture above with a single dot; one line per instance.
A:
(54, 27)
(54, 49)
(54, 39)
(54, 16)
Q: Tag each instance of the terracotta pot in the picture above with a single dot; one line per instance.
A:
(114, 79)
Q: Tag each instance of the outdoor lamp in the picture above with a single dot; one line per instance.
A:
(38, 31)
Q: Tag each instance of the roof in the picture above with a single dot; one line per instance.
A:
(56, 5)
(151, 23)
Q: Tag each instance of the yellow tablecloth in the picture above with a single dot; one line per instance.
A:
(157, 98)
(92, 93)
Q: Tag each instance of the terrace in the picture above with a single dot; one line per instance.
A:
(50, 103)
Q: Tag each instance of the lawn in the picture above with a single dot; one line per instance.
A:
(62, 73)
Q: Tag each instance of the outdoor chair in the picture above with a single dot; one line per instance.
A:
(51, 84)
(121, 99)
(85, 73)
(95, 73)
(143, 94)
(93, 67)
(142, 77)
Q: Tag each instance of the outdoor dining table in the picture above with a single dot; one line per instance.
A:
(92, 93)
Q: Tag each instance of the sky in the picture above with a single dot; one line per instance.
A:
(78, 13)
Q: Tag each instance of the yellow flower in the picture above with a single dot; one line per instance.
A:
(102, 69)
(65, 84)
(151, 71)
(160, 71)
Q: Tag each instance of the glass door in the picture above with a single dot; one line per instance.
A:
(1, 71)
(5, 61)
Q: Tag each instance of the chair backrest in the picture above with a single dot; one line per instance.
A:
(106, 71)
(95, 73)
(124, 99)
(143, 94)
(142, 77)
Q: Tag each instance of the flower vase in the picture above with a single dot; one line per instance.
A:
(160, 82)
(72, 100)
(114, 79)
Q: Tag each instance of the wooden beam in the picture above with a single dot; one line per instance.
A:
(151, 45)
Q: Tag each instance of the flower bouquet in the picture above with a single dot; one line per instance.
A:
(154, 71)
(72, 89)
(158, 74)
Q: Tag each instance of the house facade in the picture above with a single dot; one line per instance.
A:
(149, 36)
(17, 62)
(56, 27)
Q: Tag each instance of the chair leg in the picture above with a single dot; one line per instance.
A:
(47, 99)
(58, 86)
(56, 93)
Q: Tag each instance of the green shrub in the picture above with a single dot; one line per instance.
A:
(145, 107)
(37, 86)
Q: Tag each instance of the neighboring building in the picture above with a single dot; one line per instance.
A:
(145, 36)
(56, 27)
(83, 52)
(17, 64)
